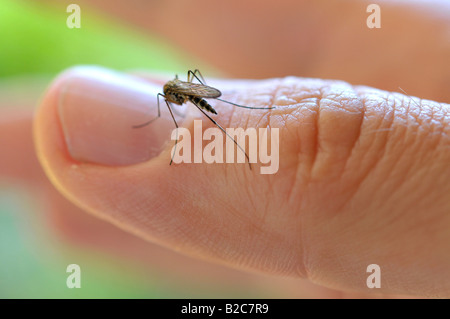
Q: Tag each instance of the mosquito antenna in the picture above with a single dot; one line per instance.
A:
(247, 107)
(221, 128)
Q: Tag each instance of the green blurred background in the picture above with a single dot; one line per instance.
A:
(36, 45)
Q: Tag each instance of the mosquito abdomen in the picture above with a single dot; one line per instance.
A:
(202, 103)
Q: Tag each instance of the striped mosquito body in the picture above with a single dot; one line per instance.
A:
(202, 103)
(179, 92)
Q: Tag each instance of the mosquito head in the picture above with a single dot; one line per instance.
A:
(167, 88)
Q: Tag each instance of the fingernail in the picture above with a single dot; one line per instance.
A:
(98, 109)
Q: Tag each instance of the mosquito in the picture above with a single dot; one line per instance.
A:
(179, 92)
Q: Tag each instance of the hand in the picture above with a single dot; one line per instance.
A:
(421, 70)
(363, 178)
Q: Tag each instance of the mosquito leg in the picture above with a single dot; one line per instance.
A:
(221, 128)
(200, 75)
(191, 75)
(176, 138)
(247, 107)
(159, 114)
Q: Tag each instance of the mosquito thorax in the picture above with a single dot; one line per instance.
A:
(171, 94)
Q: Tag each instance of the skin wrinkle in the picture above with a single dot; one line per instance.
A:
(441, 128)
(269, 116)
(225, 123)
(385, 135)
(302, 273)
(265, 115)
(400, 130)
(311, 108)
(405, 209)
(303, 241)
(149, 224)
(117, 218)
(406, 115)
(433, 114)
(138, 190)
(274, 98)
(316, 135)
(434, 142)
(358, 138)
(370, 169)
(410, 132)
(334, 104)
(268, 192)
(429, 123)
(419, 105)
(233, 117)
(270, 184)
(301, 268)
(444, 133)
(248, 188)
(297, 175)
(251, 260)
(417, 128)
(297, 178)
(202, 239)
(248, 219)
(410, 230)
(121, 209)
(212, 233)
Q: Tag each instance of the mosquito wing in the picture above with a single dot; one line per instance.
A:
(194, 89)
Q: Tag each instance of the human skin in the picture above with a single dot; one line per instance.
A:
(363, 178)
(423, 274)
